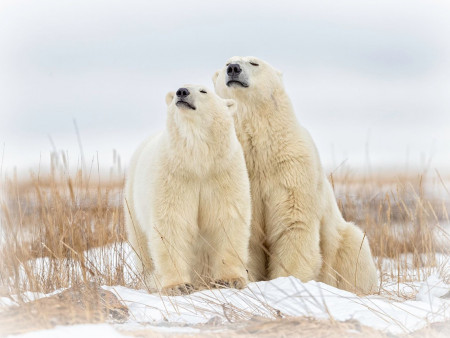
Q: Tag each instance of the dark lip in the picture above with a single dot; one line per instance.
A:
(242, 84)
(185, 104)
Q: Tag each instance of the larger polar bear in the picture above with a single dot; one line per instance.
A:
(297, 228)
(187, 197)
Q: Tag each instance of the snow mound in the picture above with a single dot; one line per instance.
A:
(288, 296)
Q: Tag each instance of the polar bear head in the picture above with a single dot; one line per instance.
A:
(196, 109)
(247, 79)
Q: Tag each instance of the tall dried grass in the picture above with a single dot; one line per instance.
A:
(61, 217)
(405, 217)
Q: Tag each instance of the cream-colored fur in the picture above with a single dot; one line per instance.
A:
(297, 228)
(187, 198)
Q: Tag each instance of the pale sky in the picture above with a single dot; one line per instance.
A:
(365, 77)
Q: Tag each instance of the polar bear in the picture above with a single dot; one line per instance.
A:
(297, 228)
(187, 197)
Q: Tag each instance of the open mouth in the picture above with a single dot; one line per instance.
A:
(236, 82)
(185, 104)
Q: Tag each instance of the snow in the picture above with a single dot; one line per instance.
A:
(290, 297)
(285, 296)
(433, 287)
(401, 307)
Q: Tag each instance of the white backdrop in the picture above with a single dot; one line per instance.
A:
(369, 79)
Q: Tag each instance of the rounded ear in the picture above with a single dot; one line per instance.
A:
(215, 76)
(231, 105)
(169, 97)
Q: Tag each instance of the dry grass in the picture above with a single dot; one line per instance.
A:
(77, 305)
(295, 327)
(405, 217)
(63, 216)
(286, 327)
(399, 213)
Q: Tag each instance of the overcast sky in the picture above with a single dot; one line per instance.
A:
(365, 77)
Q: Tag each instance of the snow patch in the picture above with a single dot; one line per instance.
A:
(288, 296)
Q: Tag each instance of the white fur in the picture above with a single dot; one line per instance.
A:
(187, 202)
(297, 228)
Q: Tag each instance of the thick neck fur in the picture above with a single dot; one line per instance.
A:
(200, 150)
(274, 113)
(266, 128)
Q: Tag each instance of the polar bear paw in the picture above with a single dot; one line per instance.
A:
(178, 289)
(237, 283)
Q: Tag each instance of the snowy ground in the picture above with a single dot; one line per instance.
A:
(399, 308)
(283, 297)
(290, 297)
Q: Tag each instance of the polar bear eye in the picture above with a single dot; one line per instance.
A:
(227, 64)
(203, 91)
(254, 64)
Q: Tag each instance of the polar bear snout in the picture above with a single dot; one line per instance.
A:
(184, 101)
(182, 93)
(235, 76)
(234, 69)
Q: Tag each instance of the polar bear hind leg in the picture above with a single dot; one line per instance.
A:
(354, 265)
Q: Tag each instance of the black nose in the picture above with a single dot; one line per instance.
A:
(234, 69)
(182, 93)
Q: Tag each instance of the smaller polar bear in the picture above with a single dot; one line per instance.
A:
(187, 197)
(297, 228)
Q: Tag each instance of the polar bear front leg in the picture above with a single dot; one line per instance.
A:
(257, 261)
(292, 235)
(225, 225)
(231, 252)
(174, 230)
